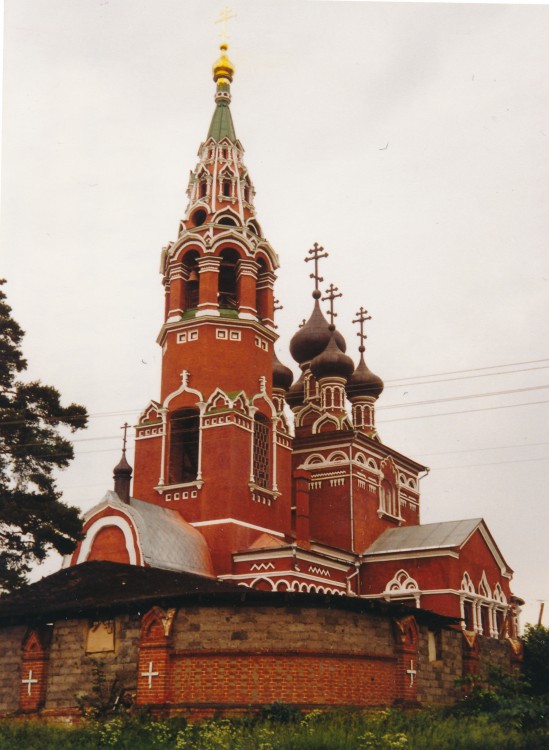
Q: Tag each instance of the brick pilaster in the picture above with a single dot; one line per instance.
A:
(406, 648)
(34, 670)
(154, 674)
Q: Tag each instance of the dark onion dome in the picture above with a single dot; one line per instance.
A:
(332, 362)
(313, 337)
(282, 375)
(122, 468)
(296, 394)
(363, 382)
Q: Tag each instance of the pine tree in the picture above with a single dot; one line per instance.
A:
(33, 519)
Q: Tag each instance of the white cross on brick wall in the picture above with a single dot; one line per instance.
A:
(412, 672)
(150, 674)
(29, 682)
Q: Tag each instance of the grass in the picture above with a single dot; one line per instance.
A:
(338, 730)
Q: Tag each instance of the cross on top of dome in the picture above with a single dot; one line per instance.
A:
(331, 296)
(361, 317)
(316, 252)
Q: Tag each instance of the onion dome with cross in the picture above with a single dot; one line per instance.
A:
(314, 335)
(363, 382)
(332, 362)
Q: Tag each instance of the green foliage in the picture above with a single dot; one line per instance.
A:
(337, 730)
(279, 713)
(504, 697)
(33, 520)
(536, 658)
(105, 697)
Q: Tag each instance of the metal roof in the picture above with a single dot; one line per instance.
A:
(169, 542)
(165, 539)
(222, 123)
(445, 535)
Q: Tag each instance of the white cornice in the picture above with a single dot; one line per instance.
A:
(219, 521)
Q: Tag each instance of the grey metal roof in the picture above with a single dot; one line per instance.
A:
(165, 539)
(445, 535)
(168, 541)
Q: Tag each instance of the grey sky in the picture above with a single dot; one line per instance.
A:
(410, 140)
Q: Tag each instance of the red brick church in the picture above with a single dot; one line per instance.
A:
(308, 528)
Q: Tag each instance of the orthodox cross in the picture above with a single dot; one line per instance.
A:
(316, 252)
(150, 674)
(225, 15)
(362, 317)
(125, 428)
(331, 296)
(29, 682)
(412, 672)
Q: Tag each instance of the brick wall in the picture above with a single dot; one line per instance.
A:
(10, 669)
(207, 656)
(316, 657)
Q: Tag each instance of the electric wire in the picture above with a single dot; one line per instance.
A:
(464, 398)
(476, 450)
(470, 369)
(463, 411)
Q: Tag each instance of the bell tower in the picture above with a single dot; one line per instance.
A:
(216, 445)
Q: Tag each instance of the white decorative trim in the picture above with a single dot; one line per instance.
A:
(376, 557)
(270, 576)
(122, 523)
(219, 521)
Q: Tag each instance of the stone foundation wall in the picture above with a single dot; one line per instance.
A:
(251, 628)
(11, 639)
(70, 673)
(208, 656)
(437, 676)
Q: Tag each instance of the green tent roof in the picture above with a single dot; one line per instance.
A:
(222, 123)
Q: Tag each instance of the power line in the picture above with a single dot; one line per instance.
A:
(470, 369)
(476, 450)
(394, 384)
(463, 411)
(495, 463)
(464, 398)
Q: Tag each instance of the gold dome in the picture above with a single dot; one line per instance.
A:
(223, 68)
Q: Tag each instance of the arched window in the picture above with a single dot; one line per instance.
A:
(203, 192)
(226, 189)
(184, 442)
(227, 221)
(192, 284)
(261, 450)
(388, 498)
(227, 280)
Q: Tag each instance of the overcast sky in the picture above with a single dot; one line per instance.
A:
(411, 141)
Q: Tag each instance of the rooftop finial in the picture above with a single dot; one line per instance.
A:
(331, 296)
(316, 252)
(125, 439)
(361, 317)
(224, 16)
(223, 69)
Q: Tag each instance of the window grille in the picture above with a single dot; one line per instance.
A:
(261, 451)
